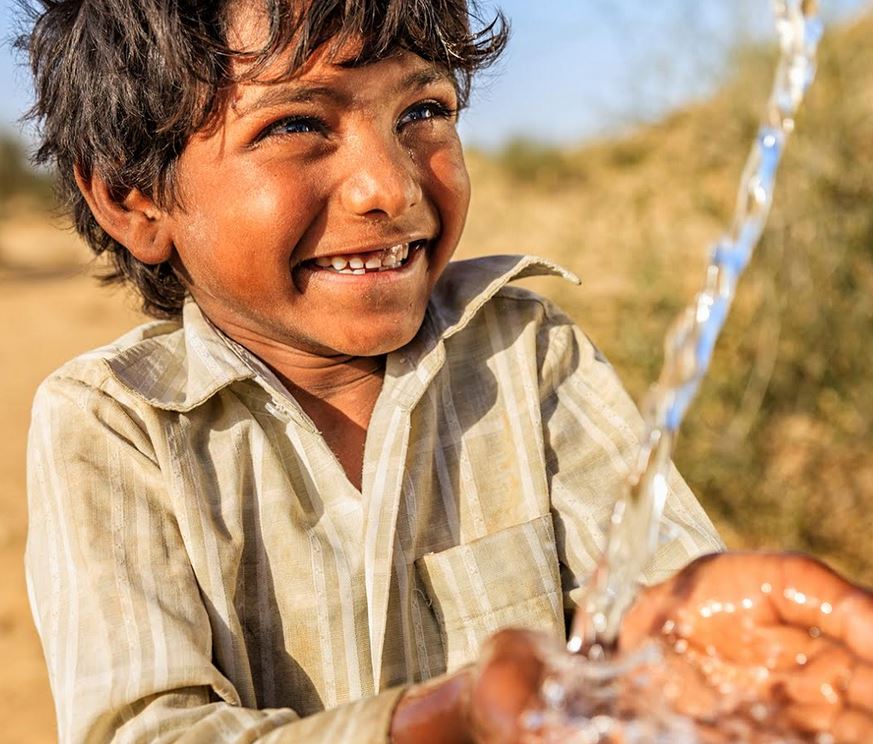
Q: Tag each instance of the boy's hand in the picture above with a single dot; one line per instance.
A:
(784, 629)
(786, 634)
(482, 704)
(507, 684)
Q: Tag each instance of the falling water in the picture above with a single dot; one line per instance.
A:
(635, 523)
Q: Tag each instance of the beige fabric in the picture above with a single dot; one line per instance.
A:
(201, 569)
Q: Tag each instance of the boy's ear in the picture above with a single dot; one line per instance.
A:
(136, 221)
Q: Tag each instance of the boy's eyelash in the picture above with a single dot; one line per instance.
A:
(310, 123)
(437, 108)
(314, 124)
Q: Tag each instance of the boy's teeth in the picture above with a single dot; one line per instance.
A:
(389, 258)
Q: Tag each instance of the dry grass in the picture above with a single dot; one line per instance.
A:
(778, 446)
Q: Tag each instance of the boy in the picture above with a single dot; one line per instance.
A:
(337, 464)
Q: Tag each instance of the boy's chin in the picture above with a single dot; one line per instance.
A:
(376, 341)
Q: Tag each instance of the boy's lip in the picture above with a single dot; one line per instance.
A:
(309, 270)
(374, 247)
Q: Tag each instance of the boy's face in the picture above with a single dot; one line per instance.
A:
(337, 167)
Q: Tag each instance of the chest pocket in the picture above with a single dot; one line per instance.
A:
(508, 578)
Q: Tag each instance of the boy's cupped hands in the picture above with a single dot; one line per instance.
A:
(764, 644)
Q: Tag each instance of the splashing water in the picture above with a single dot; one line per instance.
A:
(635, 523)
(612, 707)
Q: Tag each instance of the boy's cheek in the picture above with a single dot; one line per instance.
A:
(449, 170)
(451, 181)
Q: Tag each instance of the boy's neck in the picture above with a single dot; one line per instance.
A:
(338, 392)
(326, 377)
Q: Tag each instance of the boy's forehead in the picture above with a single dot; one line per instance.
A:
(248, 26)
(249, 29)
(325, 77)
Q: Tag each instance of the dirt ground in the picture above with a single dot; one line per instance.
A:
(51, 310)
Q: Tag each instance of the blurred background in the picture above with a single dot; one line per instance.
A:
(610, 138)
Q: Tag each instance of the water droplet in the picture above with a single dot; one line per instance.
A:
(603, 725)
(829, 694)
(815, 632)
(748, 603)
(801, 659)
(766, 588)
(826, 608)
(553, 693)
(681, 646)
(596, 652)
(668, 627)
(759, 712)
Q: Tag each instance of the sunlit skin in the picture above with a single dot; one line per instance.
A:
(742, 612)
(337, 161)
(783, 630)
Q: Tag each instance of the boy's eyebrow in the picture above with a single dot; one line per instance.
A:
(418, 79)
(285, 93)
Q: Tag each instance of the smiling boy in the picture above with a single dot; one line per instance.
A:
(338, 463)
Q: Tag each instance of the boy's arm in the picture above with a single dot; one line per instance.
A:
(126, 636)
(591, 432)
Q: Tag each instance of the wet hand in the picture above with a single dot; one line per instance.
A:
(507, 684)
(763, 643)
(484, 703)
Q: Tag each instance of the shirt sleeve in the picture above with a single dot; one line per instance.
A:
(591, 435)
(124, 630)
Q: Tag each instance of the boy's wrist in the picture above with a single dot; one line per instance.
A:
(434, 712)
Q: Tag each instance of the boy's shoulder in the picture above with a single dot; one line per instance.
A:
(172, 365)
(93, 367)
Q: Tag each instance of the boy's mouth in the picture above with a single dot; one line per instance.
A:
(385, 259)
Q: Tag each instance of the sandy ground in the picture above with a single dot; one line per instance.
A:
(51, 310)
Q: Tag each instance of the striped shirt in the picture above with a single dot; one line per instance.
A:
(201, 569)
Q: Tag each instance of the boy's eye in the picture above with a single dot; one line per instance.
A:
(425, 111)
(293, 125)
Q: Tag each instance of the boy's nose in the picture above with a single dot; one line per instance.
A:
(382, 180)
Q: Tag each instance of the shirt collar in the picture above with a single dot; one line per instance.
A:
(180, 370)
(466, 286)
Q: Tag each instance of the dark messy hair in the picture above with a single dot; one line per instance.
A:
(121, 85)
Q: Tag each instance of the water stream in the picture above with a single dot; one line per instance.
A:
(597, 698)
